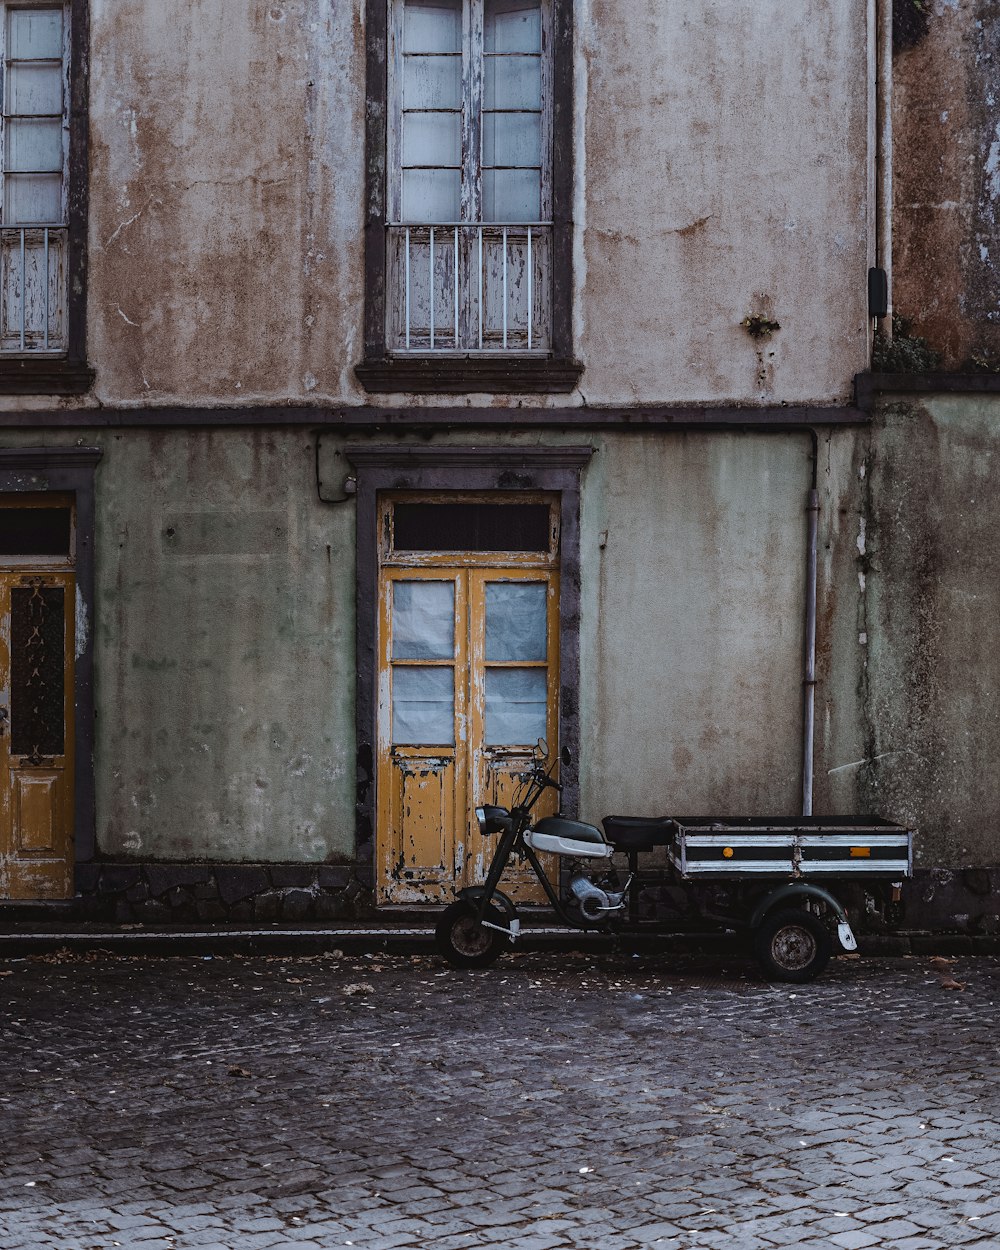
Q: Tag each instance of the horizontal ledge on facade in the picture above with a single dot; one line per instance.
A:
(373, 418)
(869, 386)
(456, 375)
(44, 375)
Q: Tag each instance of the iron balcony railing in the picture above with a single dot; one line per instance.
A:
(460, 287)
(32, 289)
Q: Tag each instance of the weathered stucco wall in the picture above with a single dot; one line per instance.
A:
(226, 199)
(932, 688)
(946, 215)
(726, 175)
(224, 644)
(722, 172)
(692, 624)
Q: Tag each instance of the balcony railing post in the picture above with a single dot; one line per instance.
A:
(530, 274)
(407, 297)
(432, 286)
(24, 293)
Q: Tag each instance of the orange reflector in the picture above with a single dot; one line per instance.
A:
(861, 852)
(728, 852)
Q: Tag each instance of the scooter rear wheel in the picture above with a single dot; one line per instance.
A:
(463, 941)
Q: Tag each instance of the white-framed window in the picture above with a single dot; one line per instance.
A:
(469, 176)
(34, 152)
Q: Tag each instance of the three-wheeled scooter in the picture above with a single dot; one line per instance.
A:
(772, 878)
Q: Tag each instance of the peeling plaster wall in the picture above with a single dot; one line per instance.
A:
(726, 158)
(225, 215)
(722, 171)
(225, 640)
(946, 212)
(932, 685)
(692, 620)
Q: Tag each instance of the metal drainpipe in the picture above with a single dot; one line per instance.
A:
(809, 679)
(883, 149)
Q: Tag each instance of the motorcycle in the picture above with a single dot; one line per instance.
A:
(768, 877)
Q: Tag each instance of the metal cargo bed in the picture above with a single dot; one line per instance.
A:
(794, 847)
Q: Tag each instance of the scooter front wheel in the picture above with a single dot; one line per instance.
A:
(463, 941)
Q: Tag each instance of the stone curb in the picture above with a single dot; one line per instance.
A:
(398, 939)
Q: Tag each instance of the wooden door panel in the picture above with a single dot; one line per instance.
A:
(420, 849)
(36, 828)
(36, 735)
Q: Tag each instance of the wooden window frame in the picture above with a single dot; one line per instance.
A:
(430, 470)
(380, 371)
(67, 373)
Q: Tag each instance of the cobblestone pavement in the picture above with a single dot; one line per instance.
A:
(600, 1102)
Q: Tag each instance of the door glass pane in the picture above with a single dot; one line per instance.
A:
(515, 706)
(432, 139)
(432, 82)
(37, 692)
(32, 197)
(35, 34)
(34, 145)
(432, 26)
(512, 139)
(423, 620)
(423, 706)
(512, 82)
(512, 26)
(34, 89)
(431, 195)
(516, 620)
(511, 195)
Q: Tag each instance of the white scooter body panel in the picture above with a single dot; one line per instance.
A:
(555, 845)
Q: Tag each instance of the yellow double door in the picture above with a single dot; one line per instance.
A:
(36, 734)
(468, 684)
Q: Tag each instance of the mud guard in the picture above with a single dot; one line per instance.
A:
(473, 894)
(801, 889)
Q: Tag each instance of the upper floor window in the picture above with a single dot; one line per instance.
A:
(470, 190)
(35, 220)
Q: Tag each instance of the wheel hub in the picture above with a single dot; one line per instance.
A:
(469, 937)
(793, 947)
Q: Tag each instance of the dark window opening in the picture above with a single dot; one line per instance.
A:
(471, 527)
(35, 531)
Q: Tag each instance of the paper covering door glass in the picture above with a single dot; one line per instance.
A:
(515, 706)
(423, 706)
(423, 620)
(516, 621)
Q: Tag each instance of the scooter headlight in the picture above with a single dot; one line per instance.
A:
(481, 818)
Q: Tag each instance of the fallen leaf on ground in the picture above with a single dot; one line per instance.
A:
(236, 1070)
(296, 980)
(359, 987)
(949, 983)
(939, 961)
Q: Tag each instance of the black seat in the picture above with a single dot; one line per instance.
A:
(637, 833)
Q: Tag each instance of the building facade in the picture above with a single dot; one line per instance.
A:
(388, 385)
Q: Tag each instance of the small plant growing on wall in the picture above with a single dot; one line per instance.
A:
(904, 352)
(758, 326)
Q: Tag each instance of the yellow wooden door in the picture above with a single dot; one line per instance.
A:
(468, 683)
(36, 734)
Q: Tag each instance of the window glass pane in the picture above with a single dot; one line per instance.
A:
(423, 620)
(512, 139)
(34, 531)
(34, 145)
(32, 197)
(512, 26)
(423, 706)
(35, 89)
(432, 139)
(431, 195)
(470, 527)
(432, 26)
(516, 620)
(515, 706)
(432, 82)
(512, 82)
(511, 195)
(37, 690)
(35, 34)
